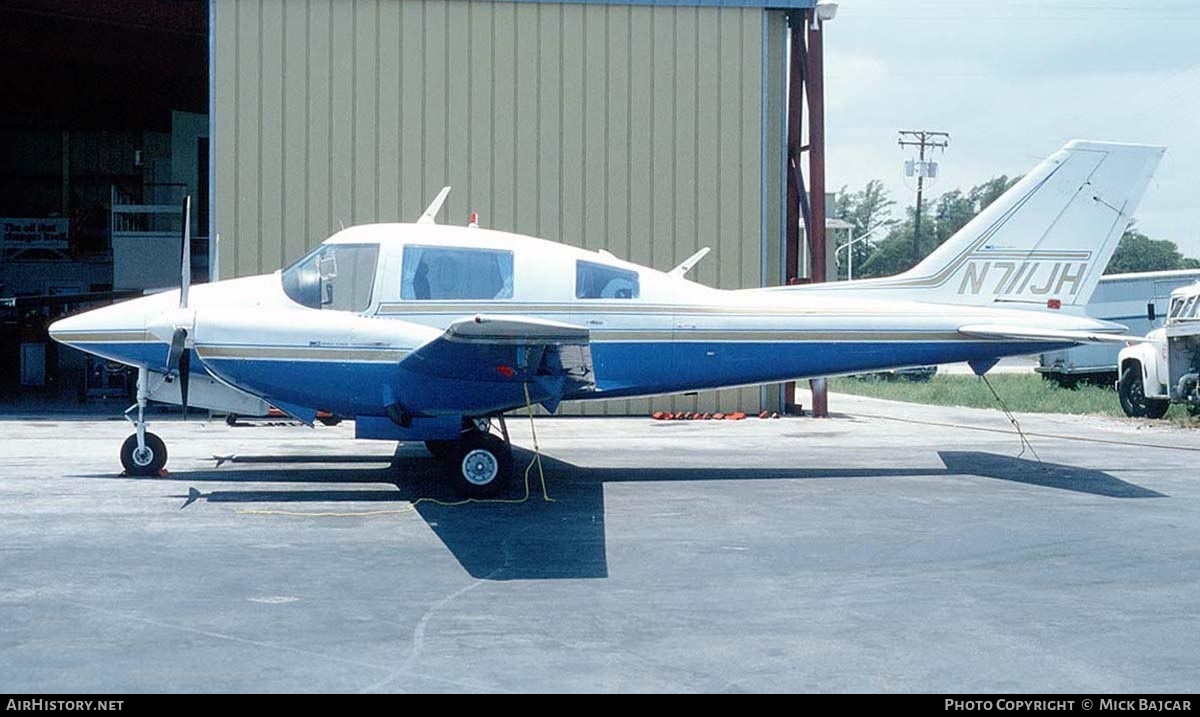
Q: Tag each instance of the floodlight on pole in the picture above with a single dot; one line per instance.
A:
(852, 241)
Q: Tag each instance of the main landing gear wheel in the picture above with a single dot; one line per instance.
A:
(1132, 395)
(146, 461)
(480, 465)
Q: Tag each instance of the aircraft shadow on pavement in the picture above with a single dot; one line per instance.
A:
(565, 538)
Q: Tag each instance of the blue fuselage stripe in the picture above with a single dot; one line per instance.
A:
(623, 369)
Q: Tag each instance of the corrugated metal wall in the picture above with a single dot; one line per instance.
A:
(636, 129)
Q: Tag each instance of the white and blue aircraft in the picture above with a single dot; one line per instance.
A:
(423, 332)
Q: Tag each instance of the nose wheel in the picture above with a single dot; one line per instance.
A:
(143, 453)
(146, 460)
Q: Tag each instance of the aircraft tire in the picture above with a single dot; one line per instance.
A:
(148, 463)
(480, 465)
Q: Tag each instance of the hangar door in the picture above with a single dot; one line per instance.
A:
(648, 131)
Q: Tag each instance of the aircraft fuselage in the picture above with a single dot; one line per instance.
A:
(673, 336)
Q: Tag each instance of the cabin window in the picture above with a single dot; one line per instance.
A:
(338, 277)
(600, 281)
(456, 274)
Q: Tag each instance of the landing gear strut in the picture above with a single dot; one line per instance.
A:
(442, 448)
(143, 453)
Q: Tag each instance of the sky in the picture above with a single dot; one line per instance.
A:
(1012, 81)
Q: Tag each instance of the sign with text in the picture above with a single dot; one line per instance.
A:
(17, 234)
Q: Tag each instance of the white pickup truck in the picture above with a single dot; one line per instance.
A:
(1164, 369)
(1124, 299)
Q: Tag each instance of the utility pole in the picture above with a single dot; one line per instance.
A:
(921, 138)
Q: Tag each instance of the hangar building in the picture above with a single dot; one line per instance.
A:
(649, 128)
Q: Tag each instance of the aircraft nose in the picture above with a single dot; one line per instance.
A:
(66, 329)
(59, 328)
(115, 332)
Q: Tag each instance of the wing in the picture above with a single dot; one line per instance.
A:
(497, 354)
(1024, 333)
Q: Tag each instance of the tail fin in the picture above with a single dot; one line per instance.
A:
(1044, 242)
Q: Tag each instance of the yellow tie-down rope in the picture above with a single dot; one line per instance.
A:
(537, 459)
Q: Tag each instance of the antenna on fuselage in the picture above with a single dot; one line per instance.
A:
(430, 213)
(689, 262)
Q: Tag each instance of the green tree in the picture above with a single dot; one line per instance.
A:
(949, 213)
(954, 209)
(893, 254)
(867, 209)
(1138, 252)
(988, 192)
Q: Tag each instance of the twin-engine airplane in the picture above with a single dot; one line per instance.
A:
(423, 332)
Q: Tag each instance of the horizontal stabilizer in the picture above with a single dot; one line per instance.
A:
(1023, 333)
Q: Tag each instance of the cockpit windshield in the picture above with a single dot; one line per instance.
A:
(338, 277)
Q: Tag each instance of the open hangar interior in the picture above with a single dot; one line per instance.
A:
(103, 129)
(648, 129)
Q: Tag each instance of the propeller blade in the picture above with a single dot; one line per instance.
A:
(185, 259)
(178, 344)
(185, 370)
(178, 357)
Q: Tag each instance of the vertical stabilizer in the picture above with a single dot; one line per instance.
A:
(1044, 242)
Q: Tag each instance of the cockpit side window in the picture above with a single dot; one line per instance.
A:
(434, 273)
(600, 281)
(337, 277)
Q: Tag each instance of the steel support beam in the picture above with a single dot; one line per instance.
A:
(815, 83)
(806, 84)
